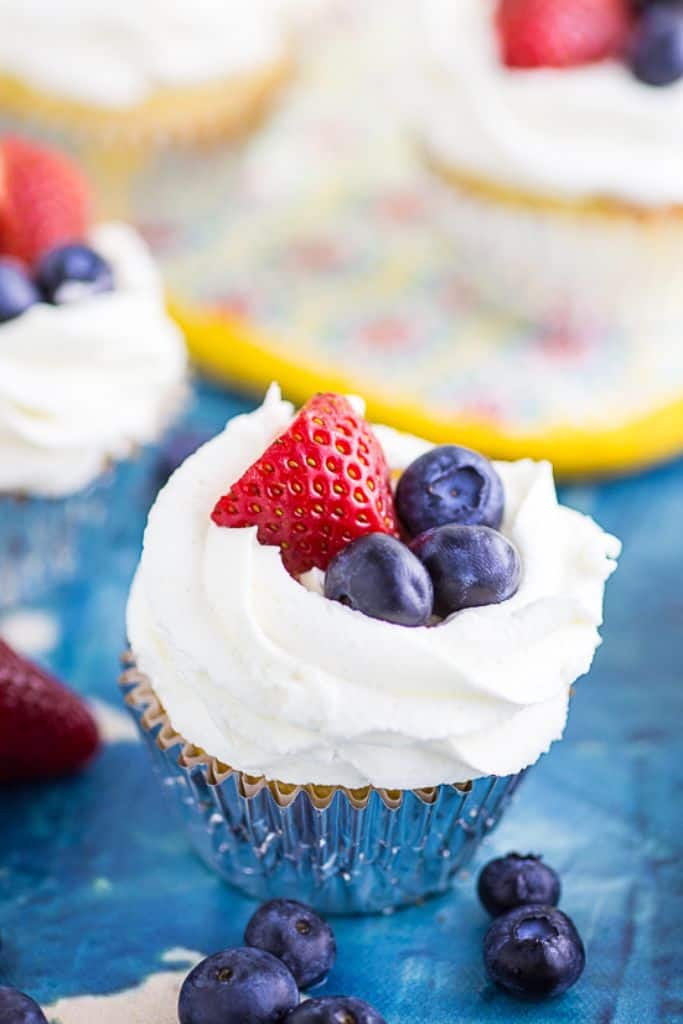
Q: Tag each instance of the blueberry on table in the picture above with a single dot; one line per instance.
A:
(382, 578)
(512, 881)
(18, 1008)
(656, 55)
(71, 273)
(237, 986)
(295, 934)
(17, 291)
(469, 566)
(534, 952)
(449, 484)
(335, 1010)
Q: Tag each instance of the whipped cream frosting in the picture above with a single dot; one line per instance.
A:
(86, 383)
(589, 131)
(270, 677)
(118, 54)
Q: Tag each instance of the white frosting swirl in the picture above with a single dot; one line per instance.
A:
(86, 383)
(119, 54)
(274, 679)
(590, 131)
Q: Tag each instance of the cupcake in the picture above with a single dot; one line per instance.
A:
(91, 367)
(344, 685)
(140, 71)
(556, 160)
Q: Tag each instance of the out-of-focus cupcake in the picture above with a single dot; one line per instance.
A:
(343, 719)
(143, 71)
(91, 367)
(559, 165)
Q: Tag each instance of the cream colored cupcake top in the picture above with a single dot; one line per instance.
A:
(86, 383)
(118, 54)
(262, 671)
(575, 132)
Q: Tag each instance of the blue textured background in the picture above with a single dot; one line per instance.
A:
(96, 882)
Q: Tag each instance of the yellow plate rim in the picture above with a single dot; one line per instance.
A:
(235, 351)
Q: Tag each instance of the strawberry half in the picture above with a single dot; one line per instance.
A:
(562, 33)
(45, 729)
(44, 200)
(319, 485)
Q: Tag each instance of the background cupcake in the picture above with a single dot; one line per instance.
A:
(142, 71)
(91, 368)
(328, 751)
(560, 164)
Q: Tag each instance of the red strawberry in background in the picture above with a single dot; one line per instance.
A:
(45, 729)
(319, 485)
(44, 200)
(562, 33)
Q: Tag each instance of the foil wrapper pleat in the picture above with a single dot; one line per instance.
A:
(342, 851)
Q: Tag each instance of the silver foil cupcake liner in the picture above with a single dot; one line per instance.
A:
(44, 541)
(342, 851)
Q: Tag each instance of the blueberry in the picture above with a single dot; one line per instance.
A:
(656, 55)
(237, 986)
(17, 292)
(296, 935)
(176, 449)
(470, 566)
(73, 272)
(379, 576)
(642, 5)
(335, 1010)
(17, 1008)
(512, 881)
(534, 952)
(449, 485)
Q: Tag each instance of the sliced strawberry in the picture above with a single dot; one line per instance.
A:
(562, 33)
(44, 200)
(319, 485)
(45, 729)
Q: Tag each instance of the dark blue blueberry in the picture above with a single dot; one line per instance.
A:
(237, 986)
(296, 935)
(534, 952)
(179, 446)
(379, 576)
(656, 55)
(73, 272)
(511, 881)
(449, 485)
(17, 1008)
(335, 1010)
(17, 291)
(469, 566)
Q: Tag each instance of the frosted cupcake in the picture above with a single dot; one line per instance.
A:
(141, 70)
(558, 161)
(91, 368)
(343, 713)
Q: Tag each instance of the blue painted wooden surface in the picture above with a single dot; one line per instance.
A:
(96, 882)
